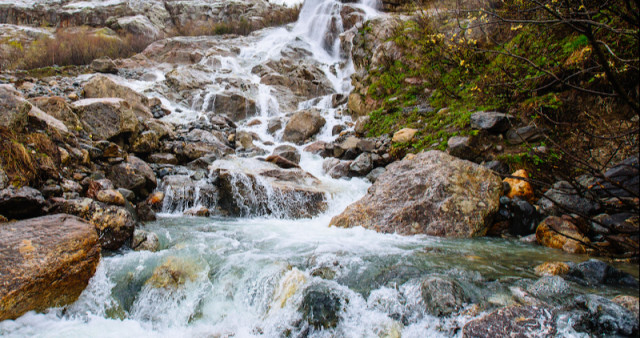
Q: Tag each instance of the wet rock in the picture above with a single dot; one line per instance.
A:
(520, 188)
(604, 317)
(197, 212)
(274, 125)
(45, 262)
(114, 224)
(336, 168)
(347, 149)
(245, 140)
(558, 233)
(183, 192)
(20, 203)
(104, 65)
(491, 121)
(319, 148)
(252, 187)
(15, 109)
(362, 165)
(375, 173)
(235, 106)
(134, 175)
(524, 134)
(289, 284)
(281, 162)
(630, 303)
(288, 152)
(404, 135)
(106, 118)
(549, 286)
(59, 108)
(302, 126)
(443, 296)
(145, 143)
(145, 241)
(163, 158)
(433, 193)
(110, 196)
(564, 198)
(594, 272)
(552, 269)
(513, 321)
(337, 129)
(321, 306)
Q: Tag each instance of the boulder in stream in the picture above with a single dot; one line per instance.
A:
(432, 193)
(45, 262)
(302, 126)
(513, 321)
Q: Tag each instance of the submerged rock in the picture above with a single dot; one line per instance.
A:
(433, 193)
(443, 296)
(173, 273)
(45, 262)
(321, 306)
(144, 240)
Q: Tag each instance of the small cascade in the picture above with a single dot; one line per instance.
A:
(182, 193)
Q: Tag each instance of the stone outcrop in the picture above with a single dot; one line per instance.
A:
(45, 262)
(433, 193)
(106, 118)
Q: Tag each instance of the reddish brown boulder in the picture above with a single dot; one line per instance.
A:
(45, 262)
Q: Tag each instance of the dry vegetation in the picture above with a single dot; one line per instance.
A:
(76, 47)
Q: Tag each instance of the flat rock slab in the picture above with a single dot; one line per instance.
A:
(45, 262)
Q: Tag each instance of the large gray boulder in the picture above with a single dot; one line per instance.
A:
(431, 193)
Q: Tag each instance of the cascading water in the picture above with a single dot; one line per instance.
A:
(264, 274)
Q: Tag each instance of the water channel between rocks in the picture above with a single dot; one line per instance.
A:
(266, 275)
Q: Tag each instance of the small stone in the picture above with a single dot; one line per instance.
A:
(520, 188)
(404, 135)
(144, 240)
(110, 196)
(197, 212)
(552, 269)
